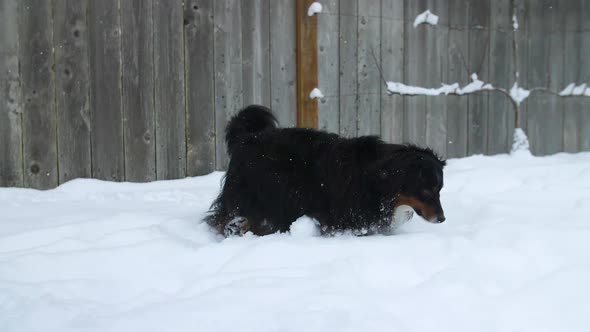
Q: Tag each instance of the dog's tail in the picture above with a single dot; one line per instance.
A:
(250, 120)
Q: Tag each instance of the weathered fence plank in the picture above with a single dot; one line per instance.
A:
(522, 54)
(415, 59)
(457, 71)
(348, 67)
(328, 75)
(37, 82)
(552, 121)
(104, 30)
(538, 73)
(72, 89)
(392, 64)
(228, 70)
(369, 80)
(437, 61)
(585, 77)
(138, 89)
(501, 75)
(11, 158)
(572, 107)
(169, 89)
(256, 52)
(200, 85)
(477, 61)
(283, 61)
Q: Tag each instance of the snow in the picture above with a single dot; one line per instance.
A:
(426, 17)
(475, 85)
(305, 227)
(520, 143)
(518, 94)
(514, 22)
(576, 90)
(315, 8)
(316, 93)
(99, 256)
(454, 88)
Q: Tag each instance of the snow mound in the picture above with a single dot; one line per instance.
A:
(305, 227)
(96, 256)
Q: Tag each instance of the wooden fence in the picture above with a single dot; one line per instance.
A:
(472, 36)
(139, 90)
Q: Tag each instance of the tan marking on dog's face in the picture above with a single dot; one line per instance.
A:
(425, 211)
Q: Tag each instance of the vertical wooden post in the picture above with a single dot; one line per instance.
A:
(307, 65)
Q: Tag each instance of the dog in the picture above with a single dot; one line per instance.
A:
(276, 175)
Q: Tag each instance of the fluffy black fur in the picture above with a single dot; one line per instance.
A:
(276, 175)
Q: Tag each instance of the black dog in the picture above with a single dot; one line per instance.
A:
(276, 175)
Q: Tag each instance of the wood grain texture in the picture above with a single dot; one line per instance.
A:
(348, 67)
(72, 89)
(11, 158)
(501, 74)
(392, 64)
(538, 75)
(200, 86)
(307, 65)
(104, 34)
(169, 89)
(256, 52)
(138, 90)
(37, 82)
(228, 70)
(553, 114)
(283, 63)
(416, 66)
(437, 62)
(585, 77)
(478, 62)
(368, 77)
(522, 55)
(328, 75)
(457, 71)
(572, 63)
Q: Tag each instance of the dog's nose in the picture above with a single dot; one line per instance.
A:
(441, 218)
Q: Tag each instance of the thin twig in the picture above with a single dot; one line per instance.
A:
(378, 67)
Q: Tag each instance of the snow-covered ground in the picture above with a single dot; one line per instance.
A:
(513, 255)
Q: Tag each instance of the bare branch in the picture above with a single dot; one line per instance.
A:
(378, 67)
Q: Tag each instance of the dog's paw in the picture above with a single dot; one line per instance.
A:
(237, 226)
(401, 215)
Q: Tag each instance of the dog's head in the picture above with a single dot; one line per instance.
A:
(414, 177)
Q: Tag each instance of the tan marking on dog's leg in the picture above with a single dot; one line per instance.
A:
(245, 227)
